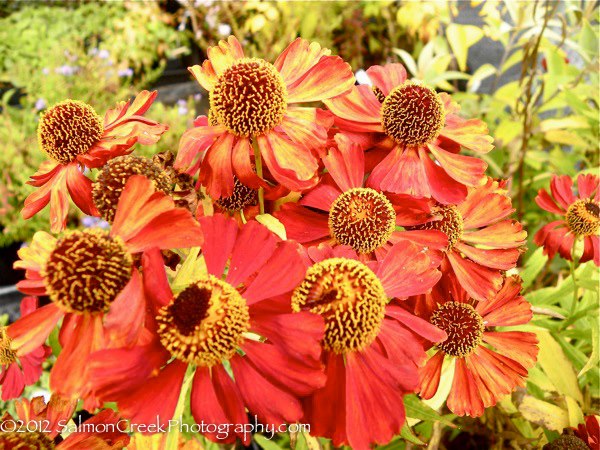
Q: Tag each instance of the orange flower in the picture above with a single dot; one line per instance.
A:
(488, 363)
(233, 326)
(74, 137)
(18, 369)
(482, 242)
(102, 431)
(581, 217)
(93, 283)
(418, 135)
(252, 102)
(342, 210)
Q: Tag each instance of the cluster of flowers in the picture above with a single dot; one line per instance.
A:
(339, 258)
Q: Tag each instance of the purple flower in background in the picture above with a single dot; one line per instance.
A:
(103, 54)
(128, 72)
(197, 97)
(45, 71)
(90, 222)
(93, 51)
(183, 109)
(224, 29)
(40, 104)
(67, 70)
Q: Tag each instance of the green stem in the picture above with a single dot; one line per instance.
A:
(575, 286)
(259, 172)
(173, 436)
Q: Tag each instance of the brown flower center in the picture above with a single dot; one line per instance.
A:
(242, 196)
(463, 325)
(7, 354)
(249, 98)
(447, 219)
(567, 442)
(15, 440)
(362, 218)
(351, 299)
(69, 129)
(378, 93)
(87, 270)
(413, 114)
(583, 217)
(111, 181)
(205, 323)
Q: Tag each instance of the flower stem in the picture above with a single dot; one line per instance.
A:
(575, 286)
(173, 436)
(259, 172)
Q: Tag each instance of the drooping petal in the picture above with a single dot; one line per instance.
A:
(220, 234)
(320, 197)
(561, 188)
(401, 172)
(443, 187)
(215, 399)
(470, 133)
(467, 170)
(80, 189)
(505, 234)
(517, 345)
(330, 77)
(464, 398)
(503, 259)
(588, 185)
(194, 143)
(545, 201)
(310, 133)
(291, 165)
(430, 375)
(481, 282)
(156, 285)
(387, 77)
(216, 170)
(205, 75)
(507, 307)
(242, 164)
(303, 224)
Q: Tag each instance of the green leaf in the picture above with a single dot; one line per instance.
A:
(272, 224)
(416, 409)
(557, 366)
(533, 266)
(408, 434)
(460, 38)
(188, 272)
(574, 412)
(408, 60)
(543, 413)
(265, 443)
(480, 74)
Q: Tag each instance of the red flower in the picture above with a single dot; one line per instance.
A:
(581, 218)
(418, 134)
(74, 136)
(589, 432)
(18, 369)
(93, 283)
(340, 210)
(372, 350)
(252, 102)
(488, 364)
(234, 325)
(99, 432)
(482, 242)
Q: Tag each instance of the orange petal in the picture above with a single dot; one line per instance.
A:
(430, 375)
(472, 133)
(480, 282)
(346, 163)
(216, 172)
(205, 75)
(330, 77)
(517, 345)
(387, 77)
(225, 54)
(359, 108)
(464, 398)
(31, 331)
(298, 58)
(467, 170)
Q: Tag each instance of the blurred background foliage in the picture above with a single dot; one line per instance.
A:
(529, 69)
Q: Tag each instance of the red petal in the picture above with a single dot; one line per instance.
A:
(194, 143)
(464, 398)
(302, 224)
(480, 282)
(220, 234)
(330, 77)
(401, 172)
(545, 201)
(517, 345)
(359, 110)
(467, 170)
(298, 58)
(503, 259)
(444, 188)
(561, 187)
(216, 172)
(505, 234)
(430, 375)
(588, 185)
(346, 164)
(31, 331)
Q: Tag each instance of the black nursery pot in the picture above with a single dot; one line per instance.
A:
(10, 298)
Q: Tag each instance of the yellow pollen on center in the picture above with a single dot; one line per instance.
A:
(350, 298)
(69, 129)
(362, 218)
(583, 217)
(7, 354)
(87, 270)
(463, 325)
(413, 114)
(249, 98)
(25, 440)
(205, 323)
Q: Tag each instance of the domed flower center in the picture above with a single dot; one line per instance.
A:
(69, 129)
(447, 219)
(111, 181)
(463, 325)
(567, 442)
(583, 217)
(242, 196)
(362, 218)
(413, 114)
(87, 270)
(7, 354)
(351, 299)
(25, 440)
(249, 98)
(205, 323)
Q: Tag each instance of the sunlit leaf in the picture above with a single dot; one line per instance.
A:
(460, 38)
(543, 413)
